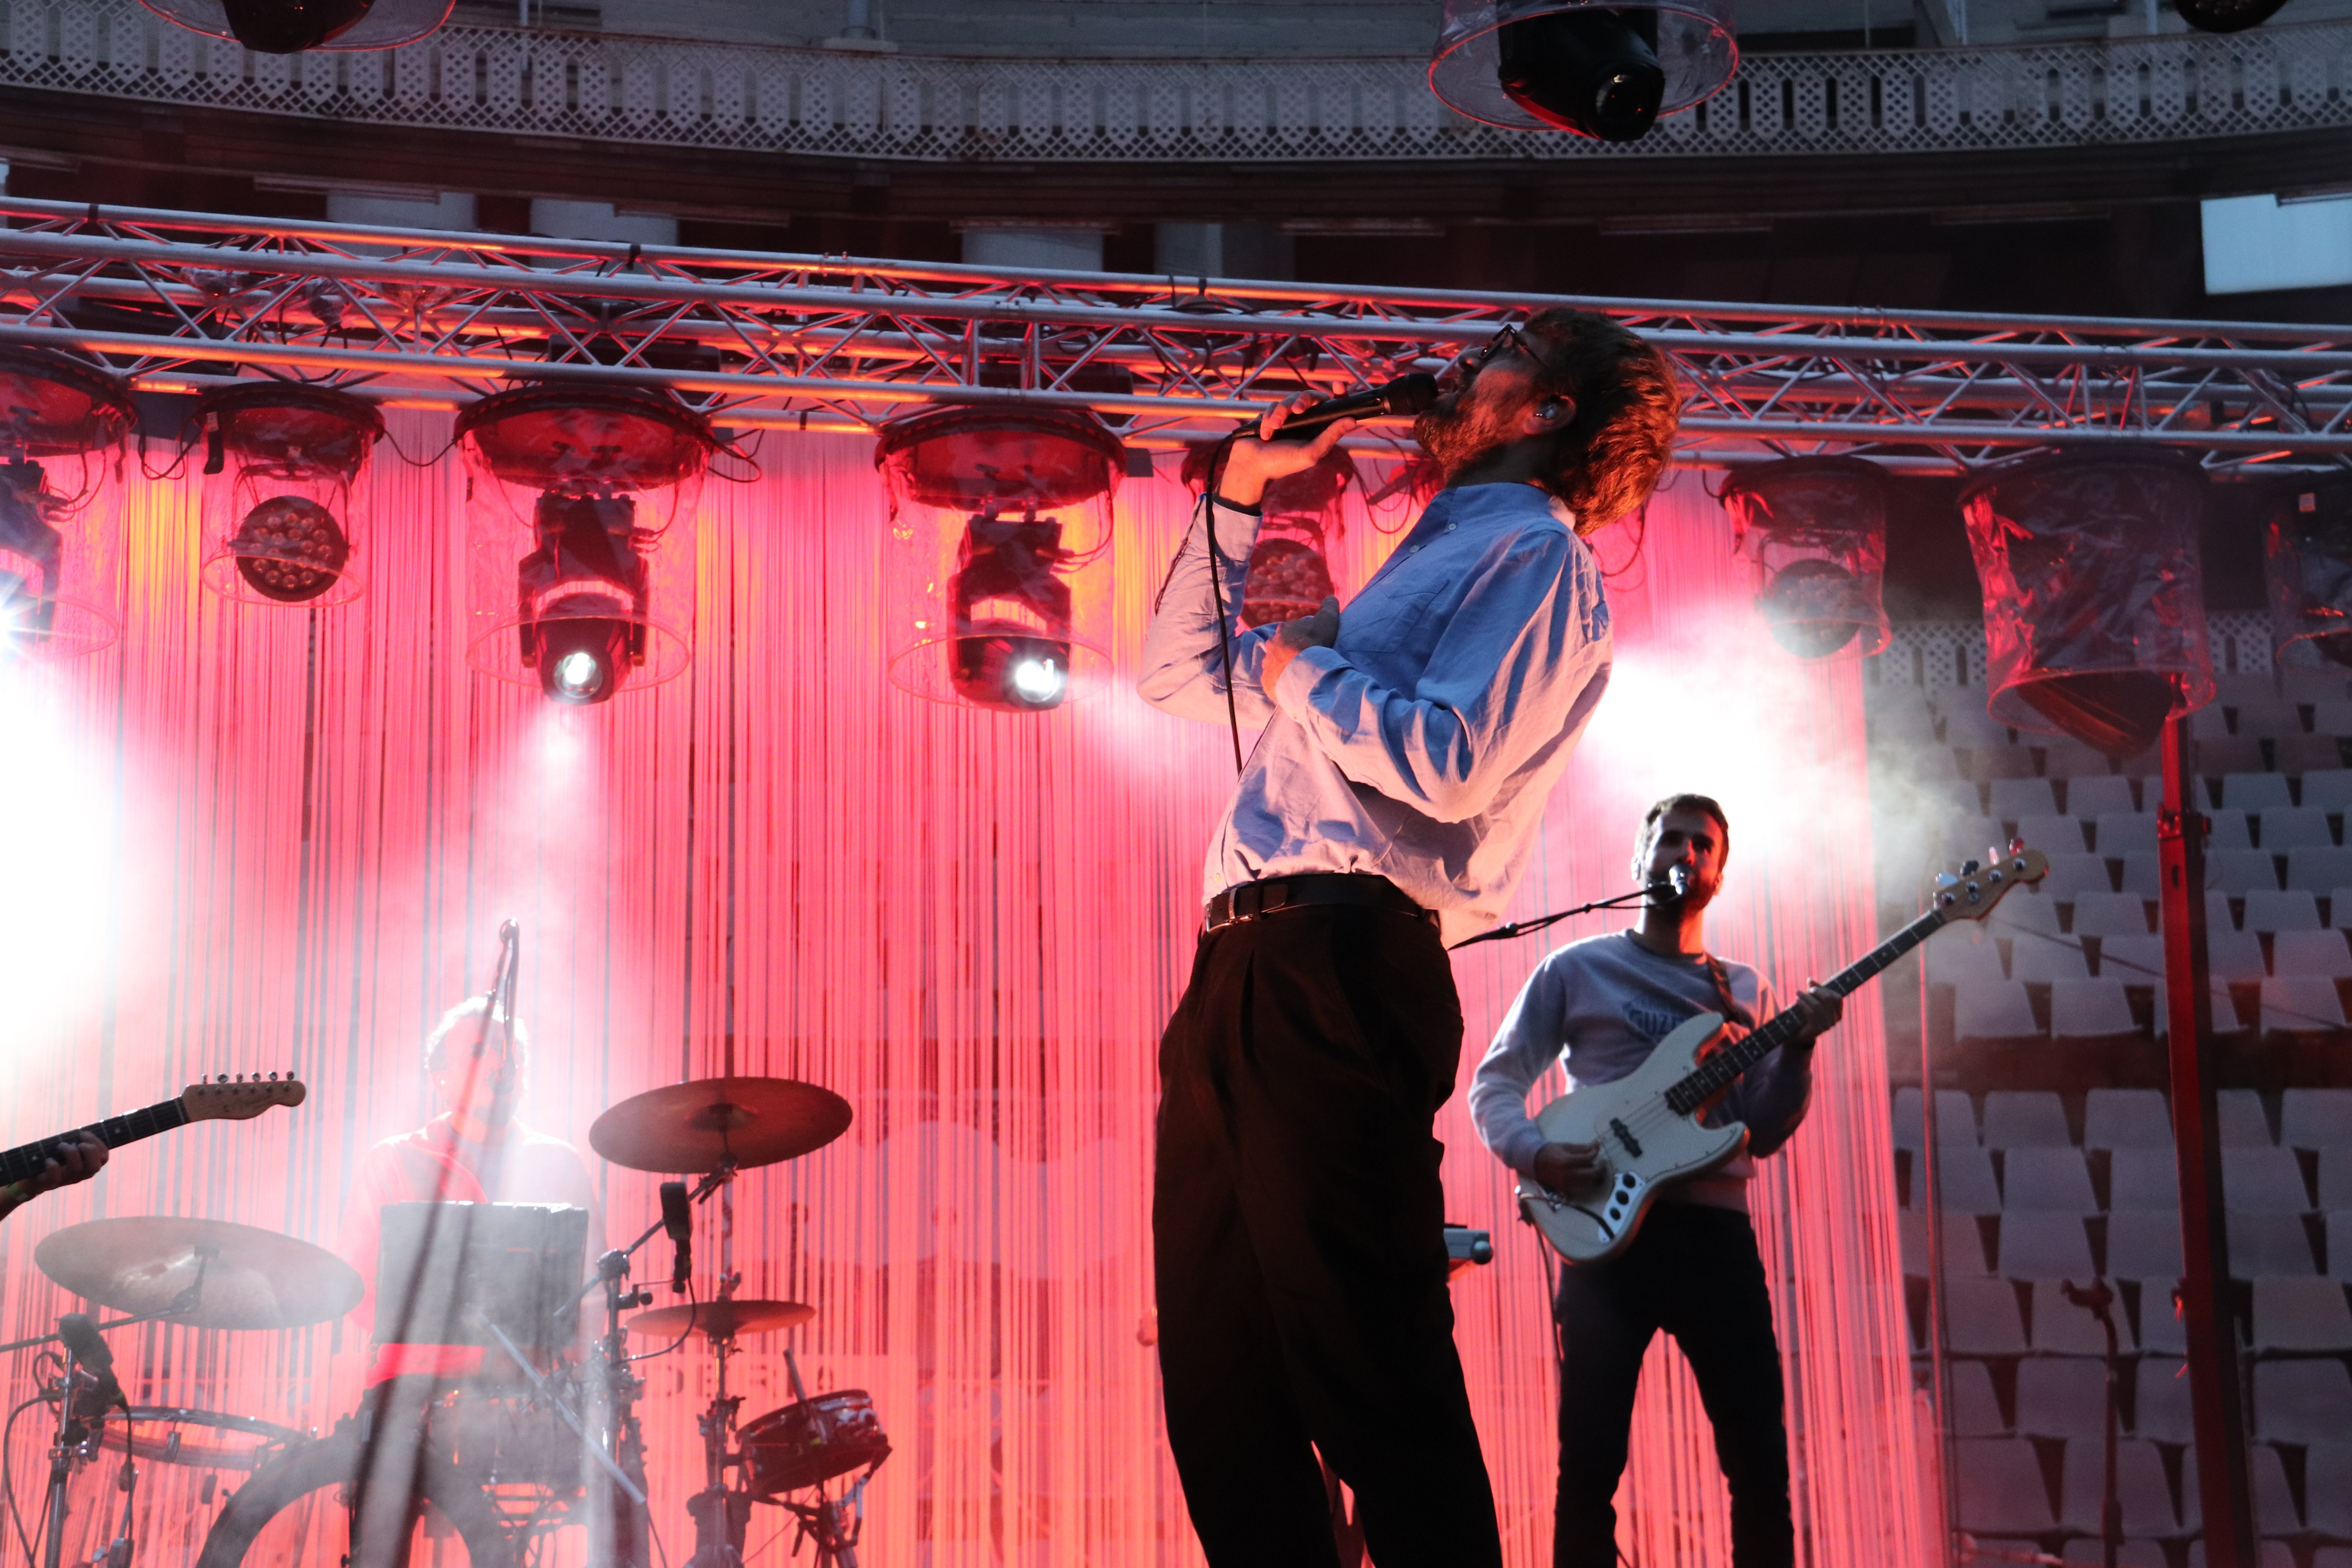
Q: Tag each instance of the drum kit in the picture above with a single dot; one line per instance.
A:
(505, 1455)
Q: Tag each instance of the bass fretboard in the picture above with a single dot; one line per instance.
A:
(1721, 1069)
(28, 1160)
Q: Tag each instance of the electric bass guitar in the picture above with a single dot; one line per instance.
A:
(223, 1099)
(1645, 1125)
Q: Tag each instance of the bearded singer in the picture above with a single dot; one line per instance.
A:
(1408, 749)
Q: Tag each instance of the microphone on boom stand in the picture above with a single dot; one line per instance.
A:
(678, 1218)
(1405, 395)
(91, 1352)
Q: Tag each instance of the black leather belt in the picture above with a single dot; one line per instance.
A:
(1251, 899)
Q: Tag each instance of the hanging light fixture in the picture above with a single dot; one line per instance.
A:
(2226, 16)
(1604, 71)
(291, 26)
(54, 550)
(1818, 527)
(279, 464)
(2307, 566)
(581, 579)
(1289, 573)
(2093, 594)
(1009, 639)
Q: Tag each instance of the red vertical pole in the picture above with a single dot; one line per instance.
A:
(2216, 1396)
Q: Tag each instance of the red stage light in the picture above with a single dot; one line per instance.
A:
(1009, 641)
(2307, 563)
(1818, 527)
(2093, 594)
(1601, 70)
(53, 601)
(291, 26)
(591, 480)
(279, 465)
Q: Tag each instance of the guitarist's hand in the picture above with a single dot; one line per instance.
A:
(1563, 1168)
(1819, 1011)
(78, 1157)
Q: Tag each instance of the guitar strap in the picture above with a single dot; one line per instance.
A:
(1731, 1007)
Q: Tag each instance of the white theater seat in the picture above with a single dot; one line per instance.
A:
(2044, 1246)
(1994, 1010)
(2090, 1010)
(2301, 1004)
(2293, 909)
(2094, 796)
(2315, 1117)
(2047, 1181)
(2128, 1119)
(2110, 914)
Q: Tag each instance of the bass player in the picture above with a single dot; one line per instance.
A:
(1600, 1006)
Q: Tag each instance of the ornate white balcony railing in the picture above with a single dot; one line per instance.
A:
(751, 98)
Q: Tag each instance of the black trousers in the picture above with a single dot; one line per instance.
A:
(1694, 1272)
(1298, 1231)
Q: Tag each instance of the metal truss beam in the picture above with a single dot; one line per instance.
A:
(421, 318)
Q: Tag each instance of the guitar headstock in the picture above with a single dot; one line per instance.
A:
(1971, 894)
(241, 1099)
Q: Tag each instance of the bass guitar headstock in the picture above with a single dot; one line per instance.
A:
(1971, 894)
(241, 1099)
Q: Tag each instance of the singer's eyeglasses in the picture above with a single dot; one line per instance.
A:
(1475, 360)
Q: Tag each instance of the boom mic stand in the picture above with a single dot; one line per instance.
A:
(1529, 927)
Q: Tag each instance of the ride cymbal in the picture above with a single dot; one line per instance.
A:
(714, 1121)
(722, 1320)
(229, 1275)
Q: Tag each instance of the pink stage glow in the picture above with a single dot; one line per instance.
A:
(280, 840)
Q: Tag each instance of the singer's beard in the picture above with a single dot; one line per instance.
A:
(1461, 429)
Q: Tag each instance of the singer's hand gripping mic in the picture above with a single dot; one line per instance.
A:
(1405, 395)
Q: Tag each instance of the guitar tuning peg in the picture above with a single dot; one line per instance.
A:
(2017, 847)
(222, 1078)
(273, 1078)
(1970, 868)
(1946, 879)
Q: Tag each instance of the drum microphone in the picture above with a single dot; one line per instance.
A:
(1405, 395)
(90, 1349)
(678, 1218)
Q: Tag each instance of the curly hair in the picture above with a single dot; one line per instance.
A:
(1607, 460)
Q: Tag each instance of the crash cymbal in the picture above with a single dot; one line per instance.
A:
(707, 1123)
(222, 1276)
(721, 1320)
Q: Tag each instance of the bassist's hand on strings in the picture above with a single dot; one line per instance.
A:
(76, 1157)
(1819, 1011)
(1564, 1168)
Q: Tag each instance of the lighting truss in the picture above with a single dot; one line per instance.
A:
(426, 319)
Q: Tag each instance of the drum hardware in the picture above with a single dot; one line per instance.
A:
(816, 1442)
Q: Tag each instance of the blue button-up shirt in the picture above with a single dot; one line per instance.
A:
(1423, 746)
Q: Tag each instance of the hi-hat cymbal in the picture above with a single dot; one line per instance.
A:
(237, 1276)
(722, 1320)
(714, 1121)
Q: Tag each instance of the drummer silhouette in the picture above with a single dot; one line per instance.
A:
(475, 1151)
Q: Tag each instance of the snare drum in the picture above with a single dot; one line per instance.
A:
(809, 1443)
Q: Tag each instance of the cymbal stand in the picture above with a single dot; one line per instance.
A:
(720, 1516)
(832, 1524)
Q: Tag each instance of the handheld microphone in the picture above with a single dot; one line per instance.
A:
(90, 1351)
(1405, 395)
(678, 1218)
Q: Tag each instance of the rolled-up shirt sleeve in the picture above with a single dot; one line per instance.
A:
(1520, 667)
(1183, 669)
(1528, 1043)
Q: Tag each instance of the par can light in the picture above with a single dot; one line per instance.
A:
(293, 26)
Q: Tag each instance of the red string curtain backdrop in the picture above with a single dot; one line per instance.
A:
(282, 840)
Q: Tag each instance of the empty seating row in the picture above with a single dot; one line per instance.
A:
(2121, 1119)
(2039, 1180)
(2302, 1401)
(2002, 1488)
(2138, 1243)
(1957, 957)
(2316, 867)
(2101, 1008)
(1986, 1315)
(2114, 795)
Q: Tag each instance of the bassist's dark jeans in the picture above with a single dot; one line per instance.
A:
(1299, 1235)
(1694, 1272)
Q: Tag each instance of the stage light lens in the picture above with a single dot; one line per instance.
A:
(2226, 16)
(579, 677)
(290, 549)
(1590, 72)
(1038, 681)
